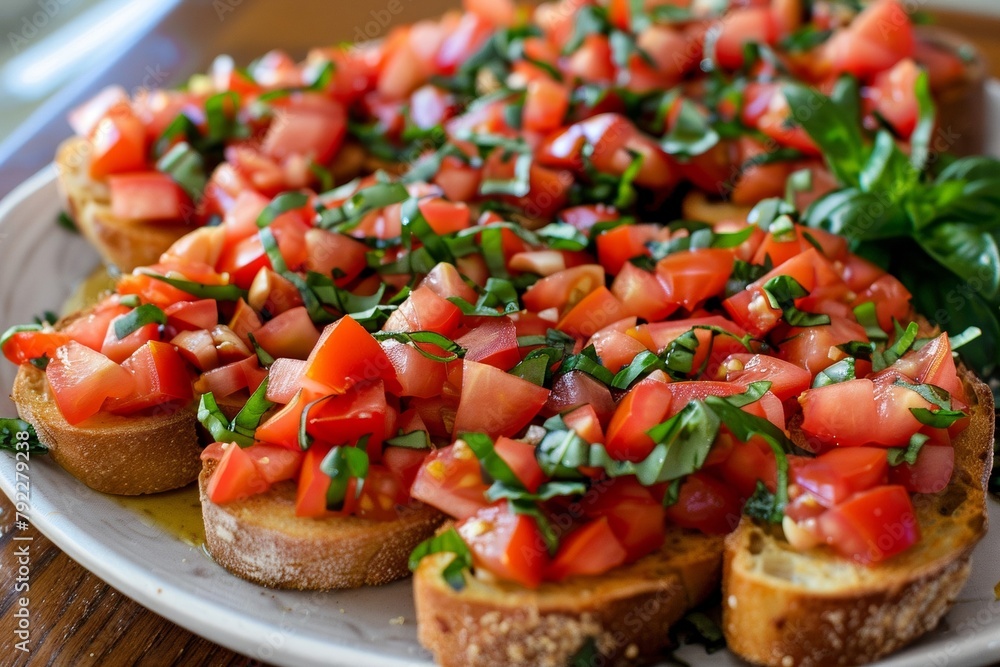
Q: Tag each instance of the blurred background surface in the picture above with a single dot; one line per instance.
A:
(56, 53)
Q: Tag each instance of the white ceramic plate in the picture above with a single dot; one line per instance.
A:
(40, 263)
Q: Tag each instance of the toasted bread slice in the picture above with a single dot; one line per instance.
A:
(124, 244)
(122, 455)
(260, 539)
(784, 608)
(627, 612)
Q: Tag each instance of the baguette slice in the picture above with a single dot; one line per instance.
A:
(627, 612)
(124, 244)
(781, 607)
(260, 539)
(124, 455)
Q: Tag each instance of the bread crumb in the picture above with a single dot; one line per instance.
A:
(787, 661)
(731, 600)
(632, 652)
(399, 620)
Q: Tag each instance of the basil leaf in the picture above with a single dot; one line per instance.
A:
(305, 439)
(201, 290)
(781, 292)
(920, 138)
(9, 440)
(899, 455)
(563, 236)
(137, 318)
(342, 464)
(588, 362)
(683, 443)
(641, 365)
(186, 167)
(968, 252)
(692, 135)
(842, 371)
(519, 186)
(498, 293)
(373, 198)
(250, 415)
(493, 465)
(534, 369)
(562, 451)
(546, 491)
(448, 541)
(413, 440)
(415, 224)
(452, 349)
(530, 508)
(283, 203)
(833, 123)
(744, 426)
(868, 318)
(937, 418)
(216, 423)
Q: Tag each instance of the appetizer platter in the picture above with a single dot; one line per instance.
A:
(588, 314)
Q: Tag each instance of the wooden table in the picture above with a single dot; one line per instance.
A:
(77, 619)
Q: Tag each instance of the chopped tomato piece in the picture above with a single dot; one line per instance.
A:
(82, 379)
(494, 402)
(235, 477)
(873, 525)
(589, 550)
(508, 545)
(450, 480)
(705, 504)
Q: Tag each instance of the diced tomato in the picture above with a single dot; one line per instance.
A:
(933, 364)
(161, 379)
(815, 348)
(235, 477)
(450, 480)
(545, 105)
(91, 327)
(345, 355)
(493, 342)
(787, 380)
(836, 475)
(616, 246)
(739, 27)
(878, 38)
(642, 293)
(445, 281)
(230, 378)
(508, 545)
(147, 195)
(311, 126)
(118, 143)
(290, 334)
(589, 550)
(197, 348)
(930, 474)
(119, 349)
(82, 379)
(565, 289)
(872, 526)
(747, 463)
(645, 406)
(445, 217)
(343, 419)
(284, 378)
(520, 458)
(495, 402)
(326, 251)
(593, 312)
(894, 94)
(404, 463)
(192, 315)
(635, 516)
(826, 421)
(691, 276)
(423, 310)
(586, 423)
(576, 388)
(24, 346)
(310, 497)
(705, 504)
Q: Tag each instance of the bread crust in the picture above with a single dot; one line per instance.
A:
(124, 244)
(627, 612)
(785, 608)
(260, 539)
(124, 455)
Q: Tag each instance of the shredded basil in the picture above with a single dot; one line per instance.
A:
(9, 440)
(203, 291)
(452, 349)
(137, 318)
(342, 464)
(899, 455)
(448, 541)
(781, 292)
(283, 203)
